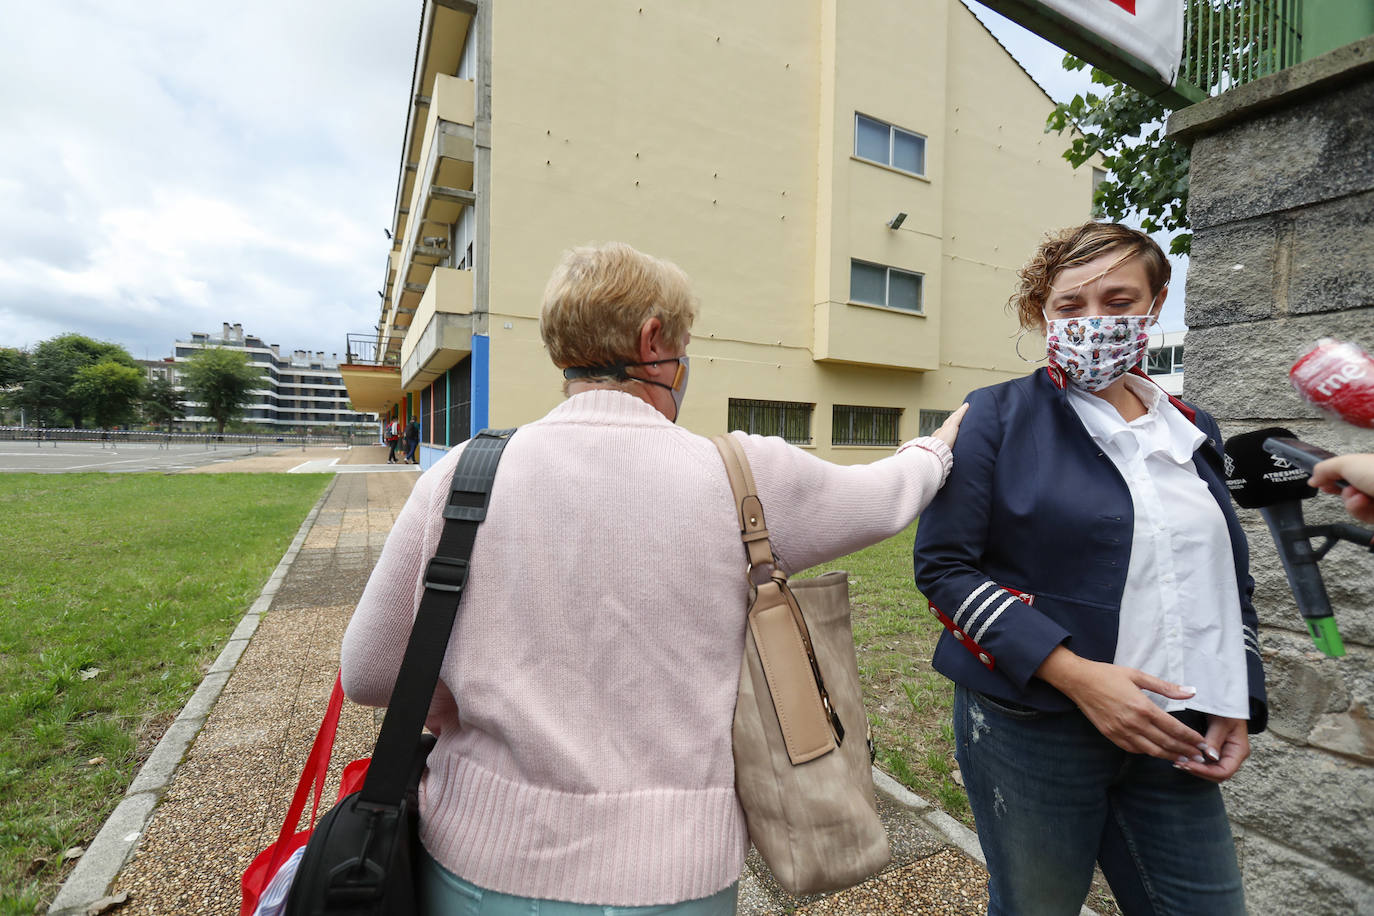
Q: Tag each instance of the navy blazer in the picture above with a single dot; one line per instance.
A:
(1026, 546)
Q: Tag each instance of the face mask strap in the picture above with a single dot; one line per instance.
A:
(617, 372)
(1020, 335)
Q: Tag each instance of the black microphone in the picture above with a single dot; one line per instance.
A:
(1261, 480)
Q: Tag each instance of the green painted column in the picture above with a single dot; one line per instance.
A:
(1331, 24)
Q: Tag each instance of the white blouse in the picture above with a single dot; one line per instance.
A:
(1180, 612)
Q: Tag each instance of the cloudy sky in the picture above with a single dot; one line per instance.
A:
(169, 166)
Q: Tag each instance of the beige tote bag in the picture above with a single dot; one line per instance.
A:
(802, 759)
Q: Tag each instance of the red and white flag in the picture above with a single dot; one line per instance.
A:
(1151, 31)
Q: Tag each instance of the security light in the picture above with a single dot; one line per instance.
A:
(896, 221)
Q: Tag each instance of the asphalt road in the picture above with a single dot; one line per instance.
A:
(69, 457)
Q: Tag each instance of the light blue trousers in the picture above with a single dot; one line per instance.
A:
(442, 893)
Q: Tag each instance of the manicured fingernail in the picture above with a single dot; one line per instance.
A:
(1180, 766)
(1198, 760)
(1211, 754)
(1188, 690)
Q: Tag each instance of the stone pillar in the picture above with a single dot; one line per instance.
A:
(1282, 207)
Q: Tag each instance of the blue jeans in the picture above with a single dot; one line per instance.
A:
(1051, 795)
(442, 893)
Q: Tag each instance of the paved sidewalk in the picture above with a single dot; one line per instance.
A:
(224, 801)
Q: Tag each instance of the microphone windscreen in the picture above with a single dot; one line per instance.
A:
(1338, 377)
(1258, 479)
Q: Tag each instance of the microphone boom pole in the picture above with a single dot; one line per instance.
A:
(1288, 528)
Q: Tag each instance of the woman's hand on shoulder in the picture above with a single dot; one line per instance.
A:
(949, 430)
(1229, 741)
(1113, 699)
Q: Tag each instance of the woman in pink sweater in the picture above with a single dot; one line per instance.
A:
(584, 706)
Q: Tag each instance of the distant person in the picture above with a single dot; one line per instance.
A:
(584, 707)
(412, 441)
(1088, 563)
(393, 439)
(1358, 472)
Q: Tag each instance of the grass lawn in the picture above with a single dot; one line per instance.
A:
(117, 593)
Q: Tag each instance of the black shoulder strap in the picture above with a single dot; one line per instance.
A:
(447, 573)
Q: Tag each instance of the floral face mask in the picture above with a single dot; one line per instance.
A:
(1094, 352)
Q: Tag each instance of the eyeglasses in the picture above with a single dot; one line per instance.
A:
(678, 377)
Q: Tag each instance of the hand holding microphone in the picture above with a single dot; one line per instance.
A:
(1352, 477)
(1268, 469)
(1338, 377)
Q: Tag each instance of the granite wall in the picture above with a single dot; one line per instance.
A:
(1282, 208)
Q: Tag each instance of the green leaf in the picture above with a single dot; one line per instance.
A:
(1147, 172)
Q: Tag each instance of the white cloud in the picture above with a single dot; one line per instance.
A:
(172, 166)
(1043, 61)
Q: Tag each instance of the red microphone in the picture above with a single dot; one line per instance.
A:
(1337, 377)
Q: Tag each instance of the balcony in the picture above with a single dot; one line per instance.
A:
(437, 186)
(847, 332)
(371, 374)
(441, 334)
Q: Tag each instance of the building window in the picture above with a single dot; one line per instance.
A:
(435, 412)
(930, 421)
(880, 142)
(1165, 360)
(874, 284)
(789, 419)
(452, 427)
(865, 425)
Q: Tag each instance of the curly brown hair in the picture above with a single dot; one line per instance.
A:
(1075, 246)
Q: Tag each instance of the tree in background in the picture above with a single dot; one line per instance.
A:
(222, 380)
(1147, 173)
(162, 403)
(52, 371)
(108, 392)
(14, 369)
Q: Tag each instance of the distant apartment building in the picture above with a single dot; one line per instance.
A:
(850, 186)
(303, 390)
(154, 369)
(1164, 362)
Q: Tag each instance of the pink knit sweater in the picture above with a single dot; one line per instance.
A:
(597, 649)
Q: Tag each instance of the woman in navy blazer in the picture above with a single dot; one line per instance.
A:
(1085, 528)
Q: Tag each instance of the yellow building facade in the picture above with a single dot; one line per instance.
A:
(851, 187)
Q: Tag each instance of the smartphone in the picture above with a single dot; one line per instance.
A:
(1296, 452)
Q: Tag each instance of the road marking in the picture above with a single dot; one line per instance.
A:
(317, 466)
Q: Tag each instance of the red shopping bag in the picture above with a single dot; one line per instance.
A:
(258, 877)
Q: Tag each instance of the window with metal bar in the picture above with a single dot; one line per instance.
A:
(437, 414)
(852, 425)
(452, 406)
(789, 419)
(426, 402)
(930, 420)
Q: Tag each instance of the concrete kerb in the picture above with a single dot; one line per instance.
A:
(116, 842)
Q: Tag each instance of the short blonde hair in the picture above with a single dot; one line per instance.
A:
(1075, 246)
(599, 298)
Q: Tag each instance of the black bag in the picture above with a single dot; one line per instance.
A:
(361, 859)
